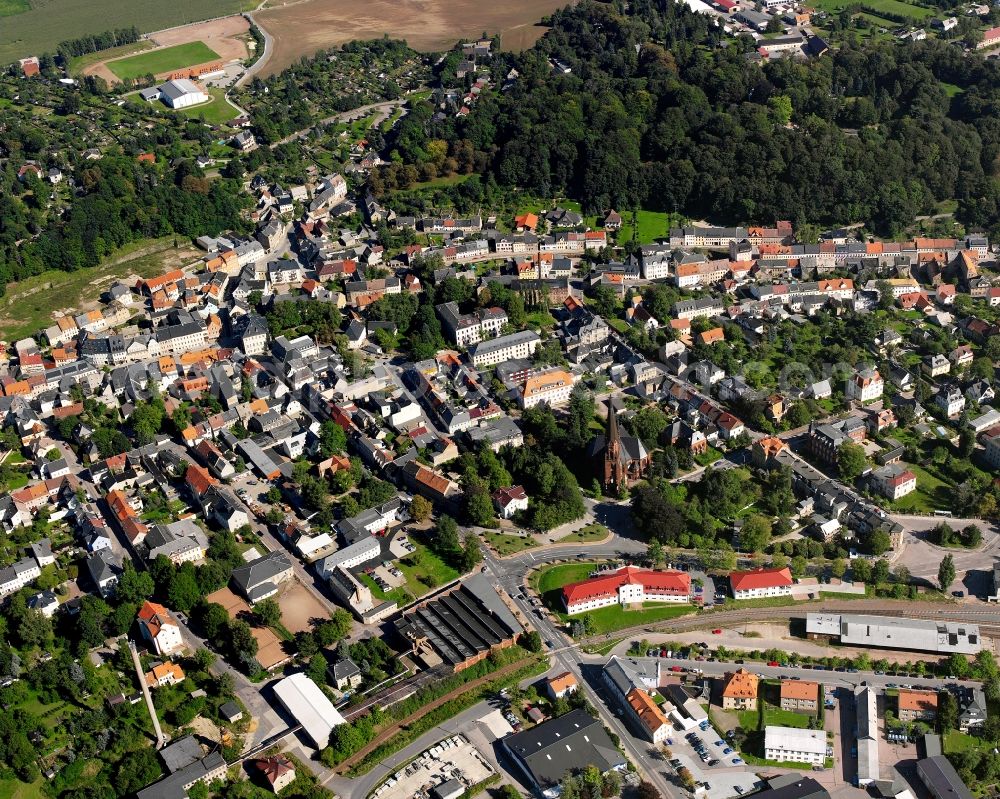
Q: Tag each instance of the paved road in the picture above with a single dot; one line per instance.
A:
(383, 108)
(261, 62)
(834, 679)
(510, 574)
(973, 567)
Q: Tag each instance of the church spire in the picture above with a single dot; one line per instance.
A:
(614, 467)
(613, 434)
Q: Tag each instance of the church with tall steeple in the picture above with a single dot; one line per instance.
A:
(618, 459)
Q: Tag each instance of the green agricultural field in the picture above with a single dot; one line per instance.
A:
(887, 6)
(8, 8)
(40, 29)
(215, 112)
(166, 59)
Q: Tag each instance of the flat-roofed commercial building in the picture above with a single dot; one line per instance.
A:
(569, 743)
(890, 632)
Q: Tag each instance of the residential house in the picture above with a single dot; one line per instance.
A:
(740, 691)
(799, 695)
(894, 481)
(509, 501)
(914, 705)
(159, 628)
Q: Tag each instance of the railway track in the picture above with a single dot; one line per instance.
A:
(988, 620)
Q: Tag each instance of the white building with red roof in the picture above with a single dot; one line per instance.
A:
(509, 501)
(990, 38)
(160, 629)
(626, 586)
(761, 583)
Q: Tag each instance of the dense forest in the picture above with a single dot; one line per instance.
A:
(660, 110)
(121, 200)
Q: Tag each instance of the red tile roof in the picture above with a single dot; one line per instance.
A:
(760, 578)
(198, 479)
(606, 585)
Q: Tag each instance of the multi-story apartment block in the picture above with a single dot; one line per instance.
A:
(504, 348)
(552, 388)
(466, 329)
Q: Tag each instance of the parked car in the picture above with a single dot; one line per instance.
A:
(717, 632)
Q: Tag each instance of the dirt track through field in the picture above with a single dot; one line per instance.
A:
(302, 28)
(219, 34)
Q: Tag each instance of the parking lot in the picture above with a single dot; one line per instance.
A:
(716, 772)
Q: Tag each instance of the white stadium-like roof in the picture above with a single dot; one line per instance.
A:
(310, 707)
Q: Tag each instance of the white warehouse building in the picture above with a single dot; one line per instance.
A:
(309, 706)
(182, 93)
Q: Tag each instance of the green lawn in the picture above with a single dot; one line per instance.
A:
(555, 577)
(932, 493)
(9, 8)
(785, 718)
(590, 533)
(956, 741)
(506, 544)
(709, 457)
(541, 319)
(424, 570)
(166, 59)
(215, 112)
(652, 225)
(749, 719)
(12, 789)
(436, 183)
(615, 617)
(29, 304)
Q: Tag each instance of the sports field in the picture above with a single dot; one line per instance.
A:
(41, 27)
(166, 59)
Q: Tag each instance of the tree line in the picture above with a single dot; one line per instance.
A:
(96, 42)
